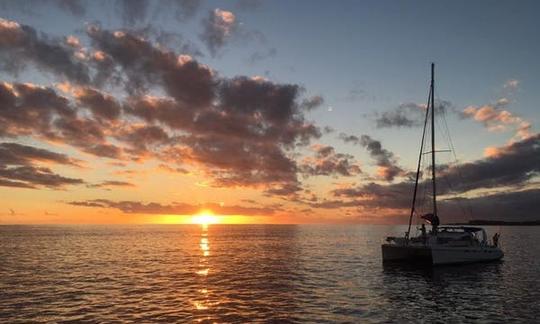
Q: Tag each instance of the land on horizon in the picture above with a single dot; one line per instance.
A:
(495, 222)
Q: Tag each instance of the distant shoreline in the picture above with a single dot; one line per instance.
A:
(506, 223)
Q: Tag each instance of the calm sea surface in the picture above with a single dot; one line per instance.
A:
(252, 273)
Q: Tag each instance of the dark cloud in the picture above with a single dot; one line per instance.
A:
(100, 104)
(327, 162)
(136, 207)
(240, 131)
(510, 165)
(27, 109)
(395, 201)
(88, 135)
(218, 27)
(18, 154)
(336, 204)
(20, 44)
(31, 177)
(328, 130)
(289, 189)
(409, 114)
(234, 162)
(142, 138)
(506, 206)
(15, 184)
(145, 65)
(173, 169)
(312, 102)
(353, 139)
(161, 110)
(243, 139)
(18, 169)
(260, 112)
(385, 160)
(111, 183)
(168, 40)
(373, 195)
(350, 192)
(505, 172)
(271, 103)
(405, 115)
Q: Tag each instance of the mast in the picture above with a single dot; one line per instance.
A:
(419, 163)
(433, 139)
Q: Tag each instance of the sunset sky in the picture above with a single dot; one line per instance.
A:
(264, 111)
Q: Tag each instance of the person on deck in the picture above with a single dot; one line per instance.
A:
(496, 239)
(433, 220)
(423, 231)
(435, 224)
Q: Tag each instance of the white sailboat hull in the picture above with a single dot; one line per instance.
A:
(452, 255)
(439, 254)
(402, 253)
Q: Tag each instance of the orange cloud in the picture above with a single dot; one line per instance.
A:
(496, 119)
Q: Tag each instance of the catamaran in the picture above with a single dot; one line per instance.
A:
(442, 244)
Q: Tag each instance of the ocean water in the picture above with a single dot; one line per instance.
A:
(252, 273)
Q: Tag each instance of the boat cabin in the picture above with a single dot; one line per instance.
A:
(460, 236)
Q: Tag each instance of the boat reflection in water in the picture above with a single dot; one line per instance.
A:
(449, 292)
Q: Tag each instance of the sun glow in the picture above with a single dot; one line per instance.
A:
(205, 217)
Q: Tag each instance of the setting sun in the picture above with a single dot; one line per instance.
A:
(205, 217)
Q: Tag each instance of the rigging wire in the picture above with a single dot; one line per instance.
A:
(420, 160)
(446, 134)
(423, 192)
(425, 184)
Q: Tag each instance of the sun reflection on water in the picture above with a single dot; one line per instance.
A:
(200, 306)
(203, 272)
(203, 303)
(204, 246)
